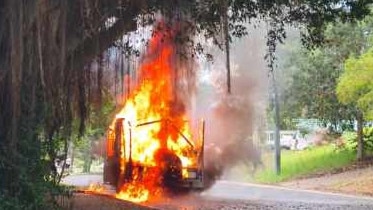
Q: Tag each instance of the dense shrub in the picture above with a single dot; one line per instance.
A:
(368, 139)
(350, 139)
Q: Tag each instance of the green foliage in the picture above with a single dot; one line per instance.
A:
(356, 84)
(350, 140)
(368, 139)
(32, 194)
(311, 90)
(45, 87)
(97, 124)
(295, 164)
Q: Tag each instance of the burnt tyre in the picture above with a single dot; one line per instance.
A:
(170, 168)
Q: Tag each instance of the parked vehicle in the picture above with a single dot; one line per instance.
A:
(289, 140)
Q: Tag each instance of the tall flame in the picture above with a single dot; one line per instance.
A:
(155, 119)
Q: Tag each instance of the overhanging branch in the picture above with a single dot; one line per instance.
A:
(95, 45)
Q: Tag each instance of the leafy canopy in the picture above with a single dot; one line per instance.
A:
(310, 76)
(46, 45)
(355, 86)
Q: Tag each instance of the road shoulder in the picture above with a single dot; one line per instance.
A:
(357, 181)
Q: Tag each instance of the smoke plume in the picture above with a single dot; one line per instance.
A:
(231, 119)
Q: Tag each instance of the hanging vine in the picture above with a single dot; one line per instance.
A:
(46, 88)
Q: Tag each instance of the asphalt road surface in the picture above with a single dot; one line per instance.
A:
(235, 195)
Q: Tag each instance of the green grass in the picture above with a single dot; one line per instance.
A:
(300, 163)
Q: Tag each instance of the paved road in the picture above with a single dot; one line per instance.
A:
(83, 180)
(246, 191)
(235, 195)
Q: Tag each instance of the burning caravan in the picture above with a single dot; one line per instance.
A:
(157, 151)
(152, 144)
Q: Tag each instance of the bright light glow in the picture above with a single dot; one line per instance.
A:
(153, 100)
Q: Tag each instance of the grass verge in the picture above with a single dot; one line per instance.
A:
(295, 164)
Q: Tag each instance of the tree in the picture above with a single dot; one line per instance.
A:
(355, 87)
(97, 123)
(45, 47)
(355, 84)
(310, 91)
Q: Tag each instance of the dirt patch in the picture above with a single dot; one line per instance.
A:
(356, 179)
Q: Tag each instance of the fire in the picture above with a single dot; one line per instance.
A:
(134, 193)
(155, 123)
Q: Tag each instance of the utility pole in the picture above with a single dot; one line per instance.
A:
(277, 125)
(271, 43)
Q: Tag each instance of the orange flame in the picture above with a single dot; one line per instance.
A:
(153, 100)
(134, 193)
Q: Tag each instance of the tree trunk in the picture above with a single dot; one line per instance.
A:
(88, 156)
(360, 136)
(87, 163)
(72, 156)
(227, 47)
